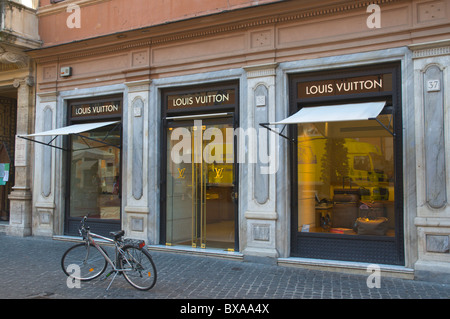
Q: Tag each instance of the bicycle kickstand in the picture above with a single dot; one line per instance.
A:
(114, 277)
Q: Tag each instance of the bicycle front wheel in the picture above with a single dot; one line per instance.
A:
(138, 268)
(87, 258)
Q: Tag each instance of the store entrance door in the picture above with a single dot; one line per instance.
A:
(201, 184)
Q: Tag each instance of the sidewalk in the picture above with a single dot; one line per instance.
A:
(31, 269)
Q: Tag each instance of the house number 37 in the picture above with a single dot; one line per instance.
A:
(433, 85)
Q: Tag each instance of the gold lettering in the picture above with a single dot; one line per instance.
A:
(181, 173)
(219, 172)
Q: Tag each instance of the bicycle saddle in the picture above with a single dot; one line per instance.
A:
(117, 234)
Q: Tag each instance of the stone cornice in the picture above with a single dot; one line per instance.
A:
(48, 96)
(435, 48)
(256, 71)
(153, 35)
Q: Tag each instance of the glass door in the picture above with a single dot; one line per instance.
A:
(200, 191)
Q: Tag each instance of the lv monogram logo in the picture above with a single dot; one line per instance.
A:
(181, 173)
(219, 172)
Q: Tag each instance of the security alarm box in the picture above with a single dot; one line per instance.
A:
(66, 71)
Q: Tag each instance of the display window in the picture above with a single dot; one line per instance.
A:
(346, 159)
(346, 178)
(94, 157)
(95, 174)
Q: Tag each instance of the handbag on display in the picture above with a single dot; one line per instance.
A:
(376, 226)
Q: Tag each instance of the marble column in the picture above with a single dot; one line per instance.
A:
(20, 197)
(431, 101)
(260, 215)
(138, 221)
(46, 217)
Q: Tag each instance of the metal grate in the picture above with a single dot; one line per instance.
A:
(350, 249)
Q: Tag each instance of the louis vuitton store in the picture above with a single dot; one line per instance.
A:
(347, 159)
(90, 150)
(163, 161)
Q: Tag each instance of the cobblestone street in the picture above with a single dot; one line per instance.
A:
(31, 269)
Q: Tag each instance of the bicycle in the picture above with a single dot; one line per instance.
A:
(131, 260)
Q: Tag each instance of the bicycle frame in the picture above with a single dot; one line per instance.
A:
(91, 241)
(89, 238)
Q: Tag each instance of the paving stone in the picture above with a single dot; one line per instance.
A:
(31, 269)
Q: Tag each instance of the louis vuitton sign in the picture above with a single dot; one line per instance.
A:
(97, 109)
(344, 86)
(201, 99)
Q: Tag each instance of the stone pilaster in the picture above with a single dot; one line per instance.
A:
(431, 101)
(20, 197)
(46, 221)
(138, 221)
(260, 215)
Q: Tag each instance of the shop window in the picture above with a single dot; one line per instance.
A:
(95, 174)
(346, 178)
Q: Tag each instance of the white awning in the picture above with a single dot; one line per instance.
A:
(335, 113)
(71, 129)
(68, 130)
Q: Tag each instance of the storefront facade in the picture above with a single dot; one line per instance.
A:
(188, 167)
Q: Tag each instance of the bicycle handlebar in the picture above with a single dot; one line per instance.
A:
(83, 229)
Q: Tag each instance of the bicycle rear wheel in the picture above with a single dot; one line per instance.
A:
(138, 267)
(88, 258)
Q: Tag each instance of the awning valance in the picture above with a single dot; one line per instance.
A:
(75, 129)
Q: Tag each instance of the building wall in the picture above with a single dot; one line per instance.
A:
(259, 47)
(112, 16)
(275, 33)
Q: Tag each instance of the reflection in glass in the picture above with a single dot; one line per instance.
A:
(346, 178)
(95, 174)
